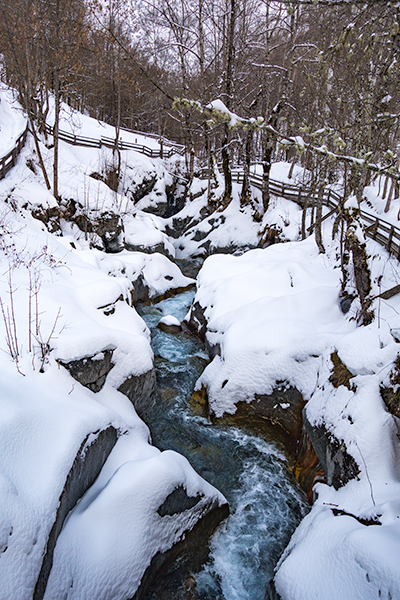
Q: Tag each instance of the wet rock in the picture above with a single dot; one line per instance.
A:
(91, 371)
(86, 467)
(170, 324)
(169, 574)
(199, 402)
(282, 410)
(271, 593)
(307, 467)
(339, 466)
(141, 391)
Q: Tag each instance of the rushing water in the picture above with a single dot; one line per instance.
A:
(265, 503)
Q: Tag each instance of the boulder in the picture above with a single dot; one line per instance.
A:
(109, 227)
(141, 391)
(170, 572)
(170, 324)
(91, 371)
(339, 466)
(84, 471)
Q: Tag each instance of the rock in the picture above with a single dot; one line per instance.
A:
(338, 465)
(50, 216)
(280, 411)
(307, 467)
(91, 371)
(84, 471)
(176, 196)
(160, 248)
(177, 502)
(197, 321)
(141, 291)
(141, 391)
(143, 188)
(109, 227)
(170, 572)
(271, 593)
(170, 324)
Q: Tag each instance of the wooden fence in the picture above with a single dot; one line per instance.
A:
(386, 234)
(166, 150)
(8, 161)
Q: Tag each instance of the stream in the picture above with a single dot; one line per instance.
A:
(265, 502)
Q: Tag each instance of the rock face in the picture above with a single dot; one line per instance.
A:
(280, 410)
(84, 471)
(109, 227)
(159, 248)
(91, 371)
(141, 390)
(307, 467)
(338, 465)
(169, 573)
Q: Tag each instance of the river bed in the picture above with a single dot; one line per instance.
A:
(265, 502)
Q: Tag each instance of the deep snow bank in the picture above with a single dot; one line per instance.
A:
(271, 318)
(65, 301)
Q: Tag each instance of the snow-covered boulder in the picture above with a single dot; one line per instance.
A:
(170, 324)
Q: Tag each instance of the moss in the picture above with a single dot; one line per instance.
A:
(340, 374)
(391, 394)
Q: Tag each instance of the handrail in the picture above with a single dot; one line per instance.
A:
(166, 150)
(8, 161)
(383, 232)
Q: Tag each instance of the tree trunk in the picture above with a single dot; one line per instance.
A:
(245, 194)
(318, 218)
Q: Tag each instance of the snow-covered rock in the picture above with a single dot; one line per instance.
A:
(272, 318)
(72, 341)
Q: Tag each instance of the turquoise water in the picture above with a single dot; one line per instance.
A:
(265, 503)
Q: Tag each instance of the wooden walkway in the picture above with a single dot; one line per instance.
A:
(166, 150)
(8, 161)
(386, 234)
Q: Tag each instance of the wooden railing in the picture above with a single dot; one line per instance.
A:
(386, 234)
(8, 161)
(166, 150)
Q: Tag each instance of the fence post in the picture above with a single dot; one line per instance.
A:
(375, 229)
(3, 168)
(299, 196)
(389, 243)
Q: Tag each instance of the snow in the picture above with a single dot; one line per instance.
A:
(170, 320)
(65, 299)
(271, 311)
(12, 121)
(82, 125)
(218, 105)
(274, 315)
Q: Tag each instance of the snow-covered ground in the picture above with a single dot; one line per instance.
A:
(82, 125)
(12, 121)
(63, 299)
(274, 316)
